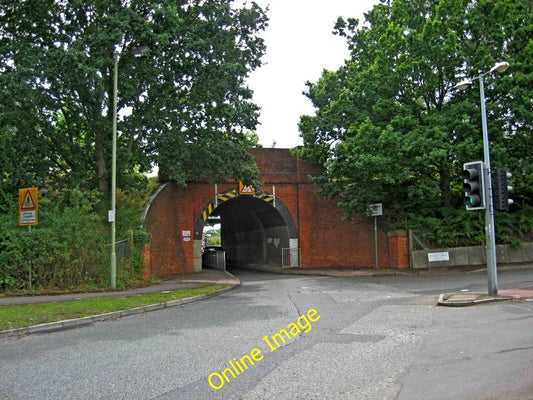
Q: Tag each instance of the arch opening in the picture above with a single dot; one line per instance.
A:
(252, 230)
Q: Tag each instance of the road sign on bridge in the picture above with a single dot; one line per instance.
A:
(246, 189)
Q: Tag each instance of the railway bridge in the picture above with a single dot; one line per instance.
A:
(286, 222)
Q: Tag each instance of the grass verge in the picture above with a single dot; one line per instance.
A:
(22, 316)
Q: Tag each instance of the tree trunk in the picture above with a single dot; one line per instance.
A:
(445, 191)
(101, 164)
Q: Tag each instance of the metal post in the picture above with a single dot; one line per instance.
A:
(376, 243)
(114, 177)
(489, 206)
(139, 51)
(29, 260)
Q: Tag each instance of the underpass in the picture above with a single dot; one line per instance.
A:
(252, 232)
(286, 212)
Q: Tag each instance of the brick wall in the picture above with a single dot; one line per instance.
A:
(324, 238)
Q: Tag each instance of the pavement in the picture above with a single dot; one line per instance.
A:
(474, 298)
(217, 277)
(188, 281)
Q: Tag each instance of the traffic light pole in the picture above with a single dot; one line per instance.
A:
(489, 205)
(489, 201)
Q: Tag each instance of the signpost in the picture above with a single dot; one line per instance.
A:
(28, 214)
(376, 210)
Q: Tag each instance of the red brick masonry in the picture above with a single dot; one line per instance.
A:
(325, 239)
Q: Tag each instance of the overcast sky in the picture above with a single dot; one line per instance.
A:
(299, 46)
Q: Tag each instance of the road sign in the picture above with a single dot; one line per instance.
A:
(246, 189)
(28, 207)
(375, 210)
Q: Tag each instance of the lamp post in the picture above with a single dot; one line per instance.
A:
(489, 205)
(139, 51)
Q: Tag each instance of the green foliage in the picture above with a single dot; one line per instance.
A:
(130, 269)
(212, 234)
(22, 316)
(185, 106)
(390, 128)
(67, 247)
(515, 228)
(449, 227)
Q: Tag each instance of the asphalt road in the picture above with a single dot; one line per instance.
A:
(370, 338)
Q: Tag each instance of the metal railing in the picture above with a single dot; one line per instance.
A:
(214, 259)
(290, 257)
(123, 249)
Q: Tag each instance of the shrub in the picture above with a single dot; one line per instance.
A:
(66, 248)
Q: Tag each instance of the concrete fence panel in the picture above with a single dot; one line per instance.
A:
(470, 256)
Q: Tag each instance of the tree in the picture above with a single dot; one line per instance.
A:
(389, 126)
(185, 106)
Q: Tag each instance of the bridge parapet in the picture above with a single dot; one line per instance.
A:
(281, 166)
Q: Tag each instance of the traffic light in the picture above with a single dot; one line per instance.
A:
(474, 185)
(500, 189)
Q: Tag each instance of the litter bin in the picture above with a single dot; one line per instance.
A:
(214, 257)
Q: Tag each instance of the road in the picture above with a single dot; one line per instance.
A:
(345, 338)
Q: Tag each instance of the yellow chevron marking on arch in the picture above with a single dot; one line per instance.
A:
(265, 197)
(231, 195)
(221, 197)
(227, 196)
(207, 212)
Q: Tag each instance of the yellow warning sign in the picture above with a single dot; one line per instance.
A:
(28, 208)
(246, 189)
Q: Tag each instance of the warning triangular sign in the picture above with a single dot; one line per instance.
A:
(246, 189)
(28, 202)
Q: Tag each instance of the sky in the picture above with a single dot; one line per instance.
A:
(300, 45)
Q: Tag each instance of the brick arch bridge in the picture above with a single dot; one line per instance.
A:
(255, 228)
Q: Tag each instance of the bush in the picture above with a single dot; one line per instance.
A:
(450, 227)
(69, 247)
(66, 248)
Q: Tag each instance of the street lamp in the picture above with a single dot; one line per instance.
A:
(489, 206)
(138, 51)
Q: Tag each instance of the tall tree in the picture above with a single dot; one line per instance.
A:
(185, 106)
(389, 126)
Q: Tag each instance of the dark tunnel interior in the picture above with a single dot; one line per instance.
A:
(252, 231)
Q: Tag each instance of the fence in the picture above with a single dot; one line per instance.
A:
(290, 257)
(470, 256)
(214, 258)
(122, 250)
